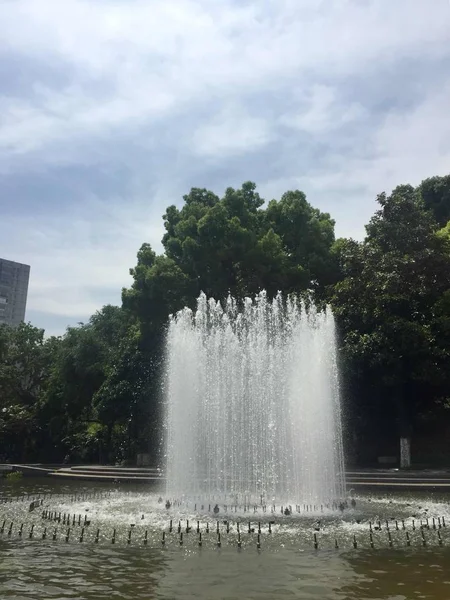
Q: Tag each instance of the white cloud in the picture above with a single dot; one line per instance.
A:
(159, 56)
(231, 133)
(406, 148)
(194, 92)
(321, 111)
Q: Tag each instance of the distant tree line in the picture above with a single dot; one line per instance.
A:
(94, 394)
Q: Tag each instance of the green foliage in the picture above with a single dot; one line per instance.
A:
(25, 362)
(307, 235)
(82, 365)
(444, 235)
(436, 196)
(392, 308)
(159, 288)
(95, 393)
(14, 476)
(48, 388)
(231, 245)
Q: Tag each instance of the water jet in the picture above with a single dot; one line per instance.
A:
(253, 403)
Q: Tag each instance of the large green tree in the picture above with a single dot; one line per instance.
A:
(96, 392)
(25, 363)
(125, 402)
(220, 246)
(231, 245)
(390, 308)
(83, 361)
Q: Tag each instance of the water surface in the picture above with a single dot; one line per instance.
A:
(42, 570)
(286, 565)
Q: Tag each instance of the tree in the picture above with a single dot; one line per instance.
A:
(25, 360)
(96, 393)
(307, 235)
(387, 304)
(435, 193)
(208, 239)
(217, 246)
(160, 287)
(80, 368)
(123, 402)
(231, 245)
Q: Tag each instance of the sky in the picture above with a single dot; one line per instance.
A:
(111, 110)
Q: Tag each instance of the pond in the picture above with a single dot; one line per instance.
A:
(144, 563)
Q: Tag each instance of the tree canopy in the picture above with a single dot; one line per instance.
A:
(95, 393)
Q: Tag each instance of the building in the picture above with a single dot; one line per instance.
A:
(14, 279)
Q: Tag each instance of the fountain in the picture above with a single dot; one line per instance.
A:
(254, 454)
(254, 467)
(253, 411)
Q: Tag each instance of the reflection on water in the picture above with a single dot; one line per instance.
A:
(40, 570)
(397, 575)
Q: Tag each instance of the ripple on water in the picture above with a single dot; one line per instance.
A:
(67, 572)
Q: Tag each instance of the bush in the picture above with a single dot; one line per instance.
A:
(14, 476)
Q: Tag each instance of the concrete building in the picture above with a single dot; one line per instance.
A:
(14, 279)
